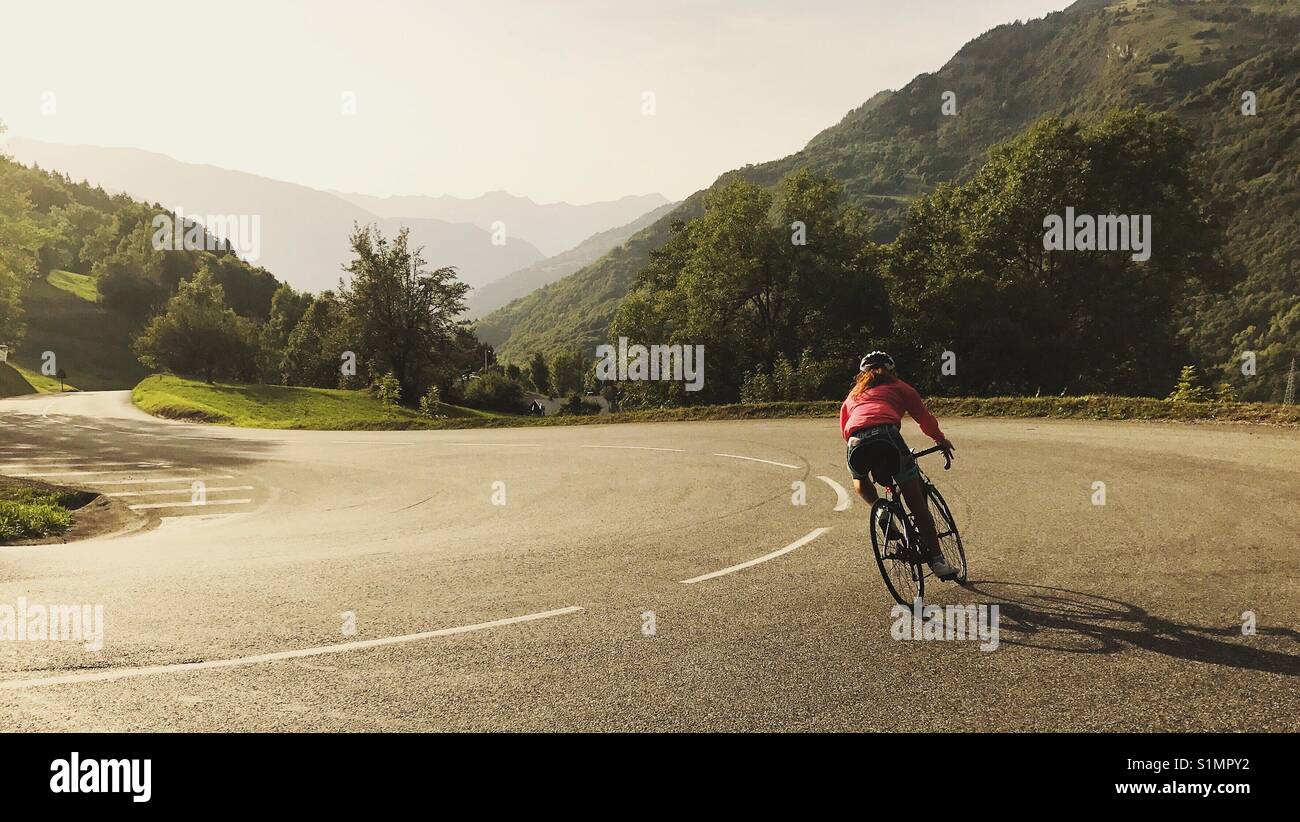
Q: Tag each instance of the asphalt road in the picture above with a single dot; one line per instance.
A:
(370, 581)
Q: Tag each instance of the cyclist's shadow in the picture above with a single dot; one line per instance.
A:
(1038, 616)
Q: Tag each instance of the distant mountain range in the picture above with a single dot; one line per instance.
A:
(304, 231)
(552, 227)
(544, 272)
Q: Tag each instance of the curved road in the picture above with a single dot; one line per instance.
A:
(373, 581)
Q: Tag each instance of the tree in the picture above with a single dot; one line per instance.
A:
(287, 310)
(567, 370)
(756, 278)
(540, 373)
(404, 316)
(20, 242)
(196, 334)
(313, 353)
(969, 273)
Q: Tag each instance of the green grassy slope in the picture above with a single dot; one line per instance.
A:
(280, 406)
(267, 406)
(78, 285)
(1190, 59)
(13, 383)
(90, 343)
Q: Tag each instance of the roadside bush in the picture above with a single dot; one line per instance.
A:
(494, 391)
(1187, 390)
(580, 406)
(431, 402)
(808, 380)
(387, 390)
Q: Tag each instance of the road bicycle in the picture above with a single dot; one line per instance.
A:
(896, 541)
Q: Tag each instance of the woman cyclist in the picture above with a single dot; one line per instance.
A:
(869, 421)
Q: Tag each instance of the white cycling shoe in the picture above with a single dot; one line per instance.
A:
(942, 569)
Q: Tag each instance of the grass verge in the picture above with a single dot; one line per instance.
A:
(31, 511)
(274, 406)
(280, 406)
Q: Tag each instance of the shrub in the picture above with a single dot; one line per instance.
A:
(1187, 390)
(387, 390)
(580, 407)
(494, 391)
(431, 402)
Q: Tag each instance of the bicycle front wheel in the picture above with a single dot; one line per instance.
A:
(896, 557)
(946, 527)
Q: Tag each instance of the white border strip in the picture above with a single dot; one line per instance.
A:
(804, 540)
(756, 459)
(343, 647)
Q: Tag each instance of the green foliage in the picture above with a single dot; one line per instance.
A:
(279, 406)
(567, 370)
(313, 352)
(20, 241)
(579, 406)
(79, 285)
(969, 273)
(28, 512)
(387, 390)
(431, 402)
(403, 316)
(494, 391)
(809, 380)
(758, 279)
(1080, 63)
(1187, 389)
(59, 238)
(539, 372)
(197, 334)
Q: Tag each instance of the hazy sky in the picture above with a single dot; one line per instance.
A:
(537, 98)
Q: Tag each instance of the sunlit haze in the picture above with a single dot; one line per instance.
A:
(539, 99)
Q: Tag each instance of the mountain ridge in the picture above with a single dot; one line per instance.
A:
(1075, 63)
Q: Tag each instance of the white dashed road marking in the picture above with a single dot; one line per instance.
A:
(843, 500)
(804, 540)
(756, 459)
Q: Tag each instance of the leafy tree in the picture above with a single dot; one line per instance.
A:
(20, 240)
(567, 370)
(755, 279)
(197, 334)
(969, 273)
(287, 310)
(404, 316)
(494, 391)
(313, 352)
(539, 372)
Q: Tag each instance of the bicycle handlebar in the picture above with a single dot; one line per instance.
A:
(947, 456)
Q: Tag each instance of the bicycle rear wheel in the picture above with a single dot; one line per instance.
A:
(946, 527)
(896, 557)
